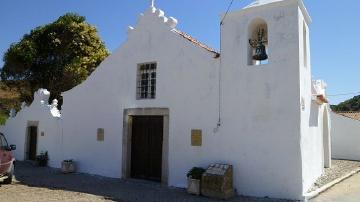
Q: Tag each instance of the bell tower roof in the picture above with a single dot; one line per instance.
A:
(257, 3)
(261, 2)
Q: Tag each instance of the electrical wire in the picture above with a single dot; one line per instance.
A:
(227, 11)
(342, 94)
(220, 75)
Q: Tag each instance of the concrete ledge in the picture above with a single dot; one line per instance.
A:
(327, 186)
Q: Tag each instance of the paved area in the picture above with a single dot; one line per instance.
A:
(338, 169)
(346, 191)
(35, 184)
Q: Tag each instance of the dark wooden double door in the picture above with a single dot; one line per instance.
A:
(146, 147)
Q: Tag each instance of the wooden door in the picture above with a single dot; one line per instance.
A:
(32, 143)
(146, 147)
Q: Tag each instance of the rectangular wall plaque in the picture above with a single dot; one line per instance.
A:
(100, 134)
(196, 137)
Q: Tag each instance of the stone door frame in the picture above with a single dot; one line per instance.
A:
(126, 139)
(27, 138)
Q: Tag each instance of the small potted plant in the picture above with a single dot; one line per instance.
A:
(68, 166)
(194, 178)
(42, 159)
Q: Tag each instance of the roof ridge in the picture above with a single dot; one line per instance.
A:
(354, 115)
(348, 112)
(196, 42)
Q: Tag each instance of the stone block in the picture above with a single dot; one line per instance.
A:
(217, 182)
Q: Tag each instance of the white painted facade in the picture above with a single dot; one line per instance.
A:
(345, 135)
(271, 126)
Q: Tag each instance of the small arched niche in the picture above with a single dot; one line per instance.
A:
(257, 30)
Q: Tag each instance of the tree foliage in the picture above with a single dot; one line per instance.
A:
(348, 105)
(56, 56)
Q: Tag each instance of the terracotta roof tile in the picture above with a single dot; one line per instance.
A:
(352, 115)
(196, 42)
(322, 98)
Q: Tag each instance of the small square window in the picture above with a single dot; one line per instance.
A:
(146, 81)
(100, 134)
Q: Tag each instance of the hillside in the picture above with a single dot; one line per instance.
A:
(8, 99)
(352, 104)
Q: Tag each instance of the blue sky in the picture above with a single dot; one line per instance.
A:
(334, 33)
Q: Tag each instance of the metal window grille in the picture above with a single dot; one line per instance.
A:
(146, 81)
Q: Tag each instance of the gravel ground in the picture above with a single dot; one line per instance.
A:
(46, 184)
(338, 169)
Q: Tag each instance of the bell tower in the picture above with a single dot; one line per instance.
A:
(265, 64)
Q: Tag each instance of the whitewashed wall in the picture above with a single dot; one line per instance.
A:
(345, 137)
(46, 118)
(314, 127)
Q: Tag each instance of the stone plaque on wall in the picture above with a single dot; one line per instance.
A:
(100, 134)
(196, 137)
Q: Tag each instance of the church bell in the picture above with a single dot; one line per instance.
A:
(260, 52)
(258, 45)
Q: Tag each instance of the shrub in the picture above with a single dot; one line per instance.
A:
(195, 173)
(42, 159)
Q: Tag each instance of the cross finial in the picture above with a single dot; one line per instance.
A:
(152, 2)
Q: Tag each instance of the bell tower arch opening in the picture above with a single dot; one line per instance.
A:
(258, 46)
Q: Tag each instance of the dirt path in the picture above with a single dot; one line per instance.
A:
(19, 192)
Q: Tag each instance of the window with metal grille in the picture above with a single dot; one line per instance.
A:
(146, 81)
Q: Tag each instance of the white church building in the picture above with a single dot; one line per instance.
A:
(163, 103)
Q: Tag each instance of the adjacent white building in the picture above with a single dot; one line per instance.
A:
(164, 102)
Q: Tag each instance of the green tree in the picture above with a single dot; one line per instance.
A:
(352, 104)
(56, 56)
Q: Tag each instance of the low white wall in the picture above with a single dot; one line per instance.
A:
(345, 137)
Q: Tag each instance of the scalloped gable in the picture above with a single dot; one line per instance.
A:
(157, 16)
(154, 16)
